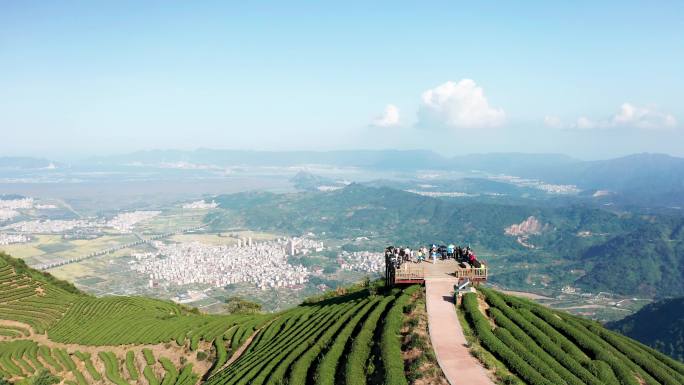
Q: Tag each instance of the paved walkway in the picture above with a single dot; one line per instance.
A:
(446, 334)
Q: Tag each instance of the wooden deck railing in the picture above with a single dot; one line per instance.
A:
(409, 272)
(478, 273)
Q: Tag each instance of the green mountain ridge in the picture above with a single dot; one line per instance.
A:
(622, 252)
(659, 325)
(647, 261)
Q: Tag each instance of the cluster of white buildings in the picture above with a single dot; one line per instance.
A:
(7, 214)
(558, 188)
(263, 264)
(52, 226)
(200, 205)
(9, 207)
(23, 203)
(436, 194)
(534, 183)
(327, 188)
(7, 239)
(124, 222)
(363, 261)
(301, 246)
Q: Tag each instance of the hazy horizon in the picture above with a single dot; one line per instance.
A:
(75, 158)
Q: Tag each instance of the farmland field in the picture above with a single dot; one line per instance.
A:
(31, 249)
(225, 238)
(52, 248)
(172, 220)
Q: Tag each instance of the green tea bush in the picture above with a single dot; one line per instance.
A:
(484, 332)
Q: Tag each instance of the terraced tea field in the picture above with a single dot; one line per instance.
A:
(52, 333)
(83, 339)
(325, 342)
(539, 346)
(351, 338)
(27, 300)
(25, 359)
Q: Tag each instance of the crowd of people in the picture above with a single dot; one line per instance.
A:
(462, 255)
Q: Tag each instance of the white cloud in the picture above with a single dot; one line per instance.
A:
(458, 105)
(584, 123)
(628, 116)
(642, 117)
(389, 118)
(553, 122)
(581, 123)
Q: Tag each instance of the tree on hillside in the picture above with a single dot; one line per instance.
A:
(238, 305)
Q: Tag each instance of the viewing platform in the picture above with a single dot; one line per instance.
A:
(416, 273)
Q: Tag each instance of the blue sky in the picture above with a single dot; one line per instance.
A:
(590, 79)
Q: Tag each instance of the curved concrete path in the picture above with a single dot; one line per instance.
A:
(446, 334)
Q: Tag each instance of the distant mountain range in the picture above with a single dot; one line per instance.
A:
(25, 163)
(385, 159)
(640, 179)
(648, 180)
(640, 171)
(402, 160)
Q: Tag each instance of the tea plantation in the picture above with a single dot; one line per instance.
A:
(330, 340)
(540, 346)
(51, 333)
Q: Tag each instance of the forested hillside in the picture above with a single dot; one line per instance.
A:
(646, 261)
(619, 252)
(401, 216)
(659, 325)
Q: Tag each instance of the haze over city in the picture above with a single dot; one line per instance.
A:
(591, 80)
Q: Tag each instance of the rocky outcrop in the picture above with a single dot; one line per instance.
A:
(530, 226)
